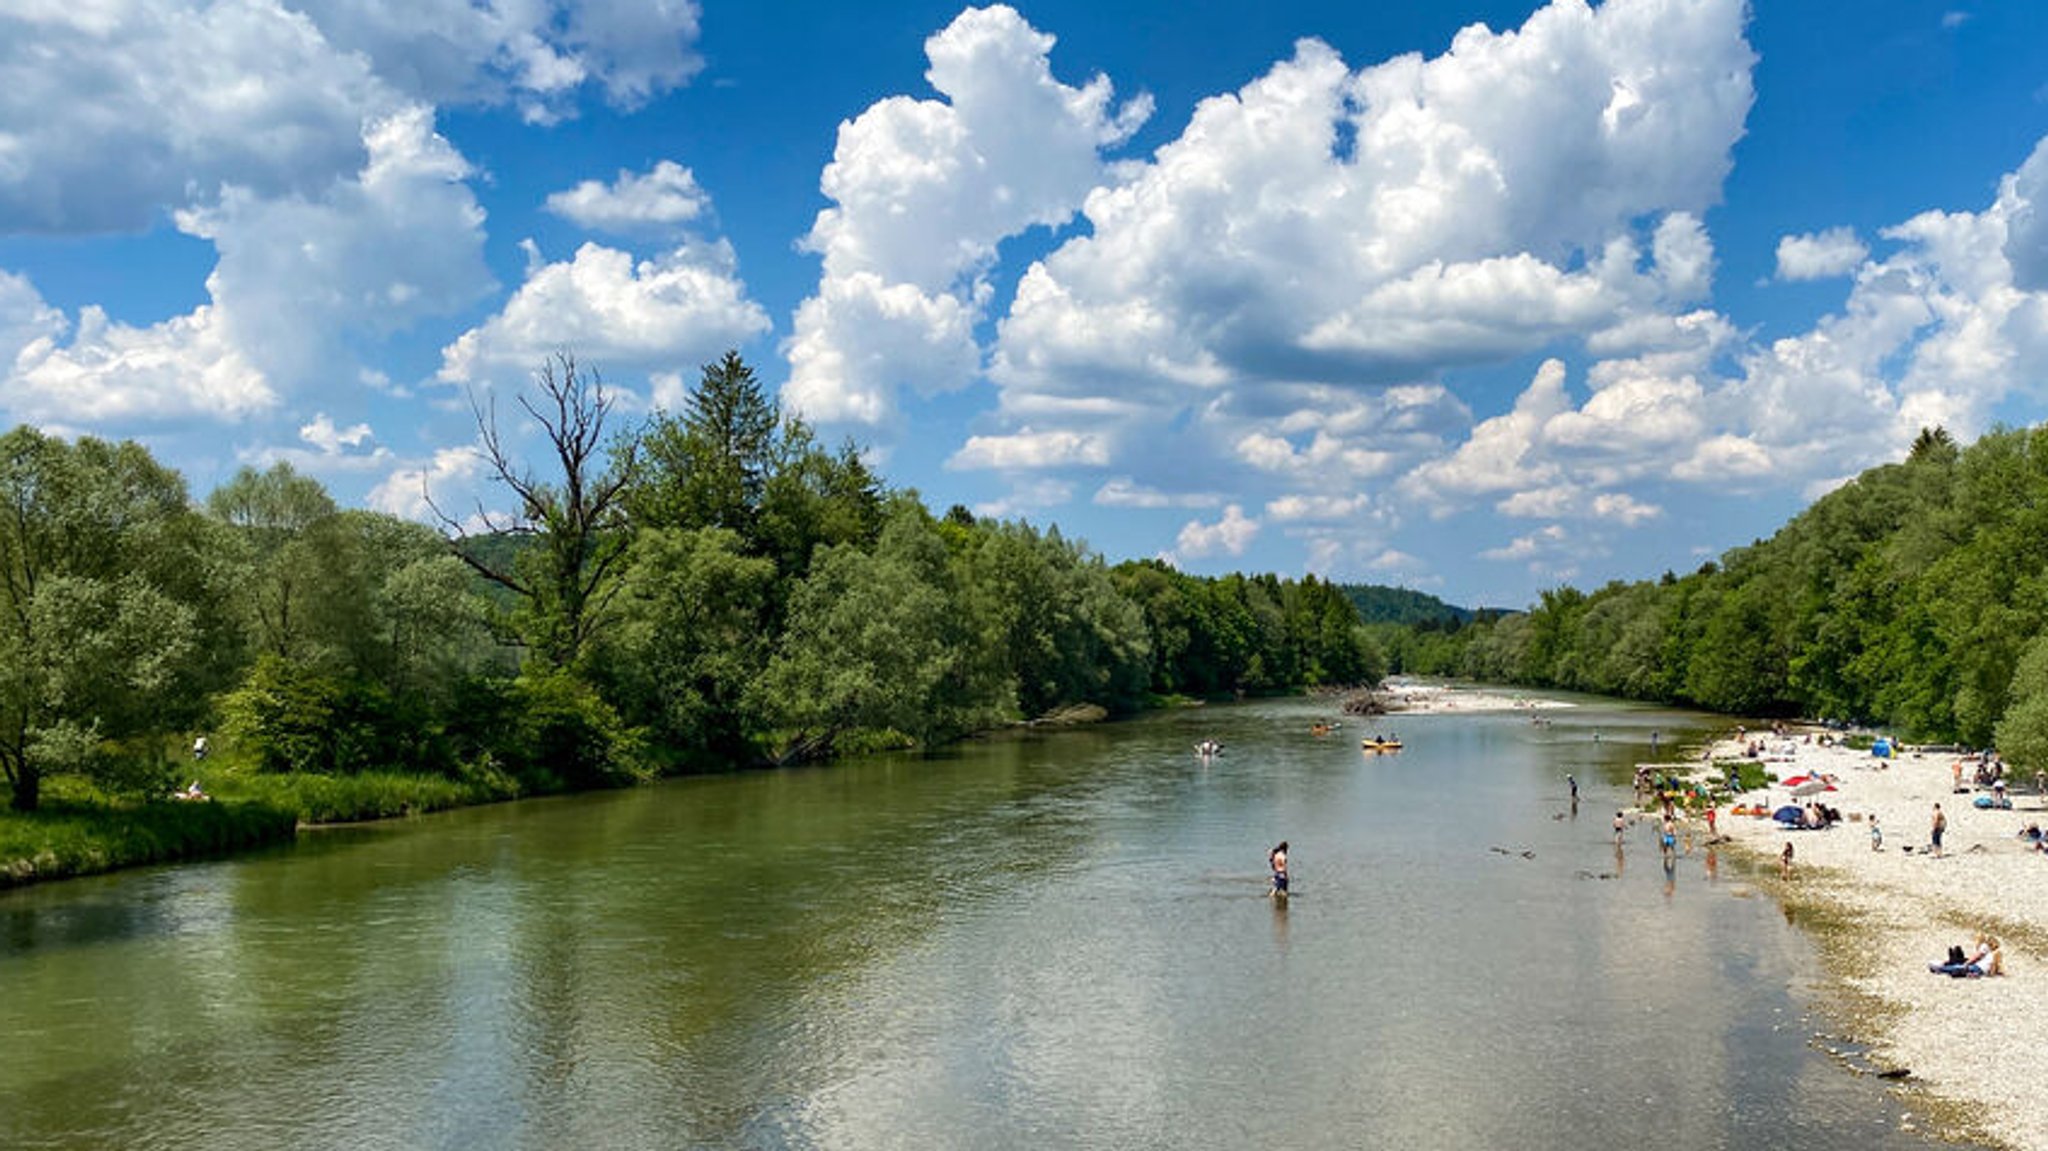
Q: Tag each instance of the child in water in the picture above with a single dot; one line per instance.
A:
(1277, 858)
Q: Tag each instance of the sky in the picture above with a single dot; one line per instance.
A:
(1472, 297)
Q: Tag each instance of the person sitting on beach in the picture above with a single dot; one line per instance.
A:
(1986, 959)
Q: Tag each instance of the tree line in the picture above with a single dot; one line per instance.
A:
(1913, 597)
(710, 588)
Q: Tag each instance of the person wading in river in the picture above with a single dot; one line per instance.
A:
(1277, 858)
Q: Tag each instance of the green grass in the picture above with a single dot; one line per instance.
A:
(81, 830)
(79, 833)
(370, 795)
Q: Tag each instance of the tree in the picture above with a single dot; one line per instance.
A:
(731, 461)
(289, 570)
(873, 643)
(690, 639)
(710, 466)
(575, 524)
(102, 601)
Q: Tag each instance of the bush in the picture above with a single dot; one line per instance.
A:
(566, 736)
(293, 720)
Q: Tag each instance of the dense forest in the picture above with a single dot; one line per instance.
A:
(1913, 597)
(709, 589)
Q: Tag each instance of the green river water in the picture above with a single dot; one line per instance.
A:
(1031, 941)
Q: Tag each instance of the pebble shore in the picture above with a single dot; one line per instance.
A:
(1976, 1043)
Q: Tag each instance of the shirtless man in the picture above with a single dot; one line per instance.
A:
(1277, 858)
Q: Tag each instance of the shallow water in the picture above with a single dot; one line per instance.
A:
(1034, 941)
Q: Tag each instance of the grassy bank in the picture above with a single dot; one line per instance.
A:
(87, 834)
(83, 831)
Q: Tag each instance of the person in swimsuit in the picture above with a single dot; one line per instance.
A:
(1277, 858)
(1670, 836)
(1620, 826)
(1934, 832)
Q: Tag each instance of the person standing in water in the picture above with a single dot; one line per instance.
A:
(1277, 859)
(1620, 826)
(1573, 783)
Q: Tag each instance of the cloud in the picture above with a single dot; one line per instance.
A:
(156, 102)
(922, 192)
(113, 376)
(1282, 289)
(1029, 450)
(535, 53)
(300, 277)
(1536, 546)
(1501, 453)
(1378, 226)
(366, 256)
(2026, 240)
(1122, 492)
(664, 199)
(450, 479)
(164, 102)
(614, 312)
(1296, 508)
(1230, 535)
(330, 440)
(1034, 496)
(1835, 252)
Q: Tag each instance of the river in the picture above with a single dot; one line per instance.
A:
(1027, 941)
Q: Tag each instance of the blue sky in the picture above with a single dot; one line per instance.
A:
(1478, 298)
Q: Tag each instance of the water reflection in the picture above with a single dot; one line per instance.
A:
(1028, 942)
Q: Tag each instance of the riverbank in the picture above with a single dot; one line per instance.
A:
(1428, 697)
(1973, 1042)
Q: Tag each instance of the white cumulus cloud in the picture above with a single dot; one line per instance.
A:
(922, 192)
(1820, 255)
(660, 201)
(1230, 535)
(614, 311)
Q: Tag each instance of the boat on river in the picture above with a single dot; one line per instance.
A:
(1380, 743)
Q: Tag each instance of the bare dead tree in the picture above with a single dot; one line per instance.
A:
(567, 575)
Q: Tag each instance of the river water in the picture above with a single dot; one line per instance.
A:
(1030, 941)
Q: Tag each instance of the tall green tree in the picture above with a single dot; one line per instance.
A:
(730, 460)
(103, 604)
(874, 642)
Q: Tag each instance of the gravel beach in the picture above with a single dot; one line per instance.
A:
(1975, 1042)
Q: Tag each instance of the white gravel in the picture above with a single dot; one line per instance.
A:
(1977, 1042)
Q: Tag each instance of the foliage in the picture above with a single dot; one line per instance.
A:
(103, 602)
(712, 589)
(1912, 598)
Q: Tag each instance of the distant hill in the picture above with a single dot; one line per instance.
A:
(1377, 604)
